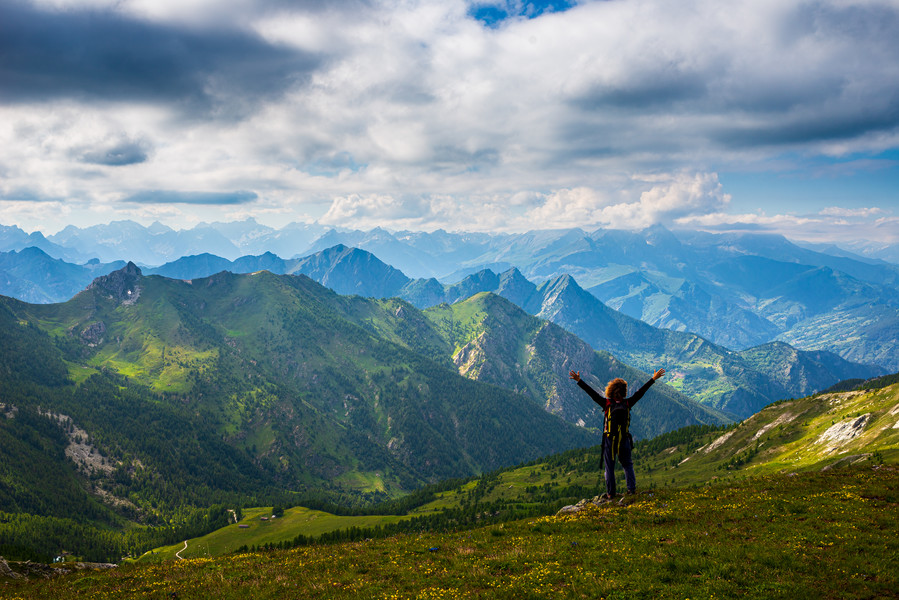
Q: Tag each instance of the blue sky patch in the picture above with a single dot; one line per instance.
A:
(493, 14)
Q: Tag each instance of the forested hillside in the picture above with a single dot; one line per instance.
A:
(160, 396)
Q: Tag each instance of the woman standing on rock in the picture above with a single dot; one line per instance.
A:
(617, 441)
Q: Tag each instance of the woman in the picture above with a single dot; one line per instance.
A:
(617, 442)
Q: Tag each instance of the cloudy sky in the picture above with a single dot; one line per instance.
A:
(773, 115)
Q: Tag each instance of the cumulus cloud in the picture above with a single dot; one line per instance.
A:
(666, 198)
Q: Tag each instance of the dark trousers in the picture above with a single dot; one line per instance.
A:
(610, 447)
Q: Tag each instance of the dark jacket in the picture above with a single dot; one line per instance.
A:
(617, 413)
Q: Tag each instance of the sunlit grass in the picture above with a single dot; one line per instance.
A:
(79, 374)
(827, 535)
(260, 530)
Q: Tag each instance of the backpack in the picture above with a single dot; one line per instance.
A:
(619, 418)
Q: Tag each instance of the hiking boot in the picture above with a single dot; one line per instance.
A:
(628, 498)
(605, 498)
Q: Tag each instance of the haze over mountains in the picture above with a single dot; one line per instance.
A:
(737, 291)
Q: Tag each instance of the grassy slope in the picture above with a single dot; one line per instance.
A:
(258, 533)
(782, 438)
(825, 535)
(788, 443)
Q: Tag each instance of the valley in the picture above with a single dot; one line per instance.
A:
(368, 405)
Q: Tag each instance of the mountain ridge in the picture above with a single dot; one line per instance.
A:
(562, 300)
(679, 283)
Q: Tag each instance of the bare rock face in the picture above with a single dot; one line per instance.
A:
(5, 571)
(839, 434)
(122, 285)
(31, 570)
(93, 333)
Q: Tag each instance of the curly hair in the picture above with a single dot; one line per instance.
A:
(616, 389)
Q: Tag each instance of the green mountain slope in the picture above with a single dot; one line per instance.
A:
(158, 396)
(711, 374)
(496, 342)
(278, 366)
(168, 400)
(814, 433)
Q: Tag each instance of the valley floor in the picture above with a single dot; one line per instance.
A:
(808, 535)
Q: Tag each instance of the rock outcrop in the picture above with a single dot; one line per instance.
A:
(31, 570)
(122, 285)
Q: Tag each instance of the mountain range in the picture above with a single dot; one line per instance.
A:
(736, 290)
(739, 383)
(144, 395)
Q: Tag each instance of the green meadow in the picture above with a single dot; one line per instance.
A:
(258, 528)
(799, 501)
(809, 535)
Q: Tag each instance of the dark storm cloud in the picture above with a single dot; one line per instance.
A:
(660, 88)
(820, 129)
(126, 152)
(92, 55)
(821, 72)
(176, 197)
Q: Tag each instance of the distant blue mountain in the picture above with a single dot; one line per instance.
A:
(13, 238)
(34, 276)
(153, 245)
(345, 270)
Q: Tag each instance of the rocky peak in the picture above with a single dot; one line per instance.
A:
(122, 285)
